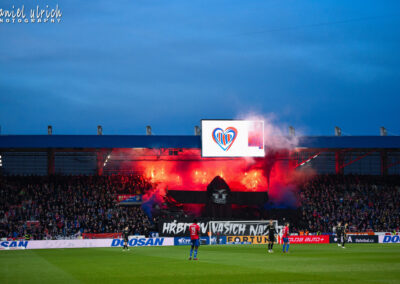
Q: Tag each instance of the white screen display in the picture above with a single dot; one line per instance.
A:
(232, 138)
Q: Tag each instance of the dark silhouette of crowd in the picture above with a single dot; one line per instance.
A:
(67, 206)
(366, 203)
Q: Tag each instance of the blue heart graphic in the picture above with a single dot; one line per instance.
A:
(224, 139)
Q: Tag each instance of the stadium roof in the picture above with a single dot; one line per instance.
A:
(188, 141)
(98, 141)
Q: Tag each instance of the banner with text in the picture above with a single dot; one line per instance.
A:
(357, 239)
(322, 239)
(129, 199)
(222, 228)
(393, 239)
(185, 241)
(85, 243)
(255, 240)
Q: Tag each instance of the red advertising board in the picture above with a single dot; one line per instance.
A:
(101, 236)
(323, 239)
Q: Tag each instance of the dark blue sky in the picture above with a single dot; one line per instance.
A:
(126, 64)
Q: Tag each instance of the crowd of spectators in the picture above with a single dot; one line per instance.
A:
(125, 184)
(67, 206)
(366, 203)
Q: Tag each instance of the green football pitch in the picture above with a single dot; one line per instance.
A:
(358, 263)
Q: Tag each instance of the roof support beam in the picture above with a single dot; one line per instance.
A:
(100, 161)
(50, 162)
(384, 163)
(307, 160)
(357, 159)
(339, 162)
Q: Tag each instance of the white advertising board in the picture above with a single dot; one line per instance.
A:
(85, 243)
(389, 239)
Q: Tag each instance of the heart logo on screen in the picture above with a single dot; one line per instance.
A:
(224, 139)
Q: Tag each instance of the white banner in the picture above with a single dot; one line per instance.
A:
(232, 138)
(86, 243)
(389, 239)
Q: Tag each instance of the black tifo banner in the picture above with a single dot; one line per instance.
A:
(357, 239)
(181, 228)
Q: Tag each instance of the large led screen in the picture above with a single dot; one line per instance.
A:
(232, 138)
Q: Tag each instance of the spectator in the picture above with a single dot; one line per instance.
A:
(64, 206)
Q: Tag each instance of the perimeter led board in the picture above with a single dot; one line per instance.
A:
(232, 138)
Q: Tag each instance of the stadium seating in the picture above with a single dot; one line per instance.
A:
(364, 202)
(49, 207)
(67, 206)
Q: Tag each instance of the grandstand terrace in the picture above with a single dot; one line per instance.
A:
(69, 184)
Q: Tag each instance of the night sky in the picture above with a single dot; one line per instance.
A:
(168, 64)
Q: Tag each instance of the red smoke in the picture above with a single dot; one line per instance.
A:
(187, 170)
(271, 174)
(240, 174)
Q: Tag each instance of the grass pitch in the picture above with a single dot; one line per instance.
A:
(358, 263)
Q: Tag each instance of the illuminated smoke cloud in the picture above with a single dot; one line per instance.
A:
(271, 174)
(275, 137)
(283, 181)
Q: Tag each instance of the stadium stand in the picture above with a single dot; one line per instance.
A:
(49, 207)
(61, 186)
(365, 202)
